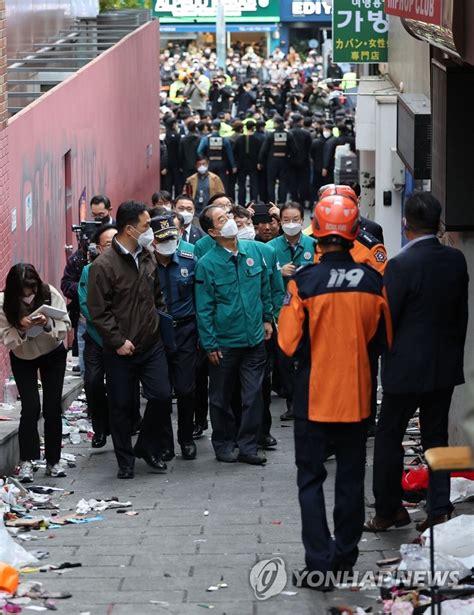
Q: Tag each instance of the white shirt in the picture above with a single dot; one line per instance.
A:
(135, 254)
(411, 243)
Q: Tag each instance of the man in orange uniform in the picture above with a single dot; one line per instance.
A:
(367, 248)
(333, 318)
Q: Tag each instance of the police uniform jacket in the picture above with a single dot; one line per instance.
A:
(177, 282)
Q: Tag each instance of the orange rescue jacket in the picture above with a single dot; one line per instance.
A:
(334, 314)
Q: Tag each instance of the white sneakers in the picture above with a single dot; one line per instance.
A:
(25, 472)
(56, 470)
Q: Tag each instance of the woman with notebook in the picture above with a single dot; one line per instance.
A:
(33, 324)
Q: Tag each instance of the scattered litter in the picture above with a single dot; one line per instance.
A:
(159, 602)
(415, 557)
(131, 513)
(212, 588)
(462, 489)
(206, 513)
(36, 608)
(206, 606)
(85, 506)
(276, 522)
(11, 552)
(450, 537)
(288, 593)
(455, 607)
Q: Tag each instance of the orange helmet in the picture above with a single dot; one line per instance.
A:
(333, 189)
(336, 215)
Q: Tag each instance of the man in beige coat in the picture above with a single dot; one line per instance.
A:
(203, 185)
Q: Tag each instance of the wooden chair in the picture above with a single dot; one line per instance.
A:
(443, 459)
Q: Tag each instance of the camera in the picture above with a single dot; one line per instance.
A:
(84, 233)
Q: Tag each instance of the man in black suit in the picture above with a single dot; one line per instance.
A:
(188, 150)
(184, 205)
(427, 289)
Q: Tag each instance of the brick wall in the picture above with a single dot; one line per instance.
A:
(5, 221)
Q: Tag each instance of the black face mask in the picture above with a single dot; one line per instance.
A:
(105, 220)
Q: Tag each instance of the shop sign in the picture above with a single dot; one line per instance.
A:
(428, 11)
(305, 10)
(360, 31)
(197, 11)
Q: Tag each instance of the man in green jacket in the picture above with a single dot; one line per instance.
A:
(293, 249)
(234, 316)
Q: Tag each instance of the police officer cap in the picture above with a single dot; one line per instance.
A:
(164, 227)
(261, 215)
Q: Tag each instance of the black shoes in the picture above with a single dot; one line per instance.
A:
(227, 457)
(253, 460)
(188, 451)
(199, 430)
(136, 427)
(288, 415)
(167, 454)
(99, 440)
(267, 442)
(125, 472)
(153, 461)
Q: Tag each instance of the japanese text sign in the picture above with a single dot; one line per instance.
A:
(428, 11)
(360, 31)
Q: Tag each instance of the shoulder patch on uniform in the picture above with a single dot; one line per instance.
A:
(367, 239)
(380, 256)
(287, 298)
(186, 254)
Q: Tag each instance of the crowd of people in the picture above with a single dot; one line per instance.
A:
(256, 122)
(219, 295)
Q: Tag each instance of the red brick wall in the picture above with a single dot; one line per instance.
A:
(5, 219)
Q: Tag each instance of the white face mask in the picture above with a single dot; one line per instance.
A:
(327, 134)
(187, 217)
(229, 230)
(167, 248)
(247, 232)
(29, 300)
(202, 169)
(292, 228)
(145, 239)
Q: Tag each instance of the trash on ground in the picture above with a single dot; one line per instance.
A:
(450, 537)
(85, 506)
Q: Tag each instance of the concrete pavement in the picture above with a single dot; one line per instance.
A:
(201, 523)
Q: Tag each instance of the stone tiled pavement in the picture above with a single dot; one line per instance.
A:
(171, 552)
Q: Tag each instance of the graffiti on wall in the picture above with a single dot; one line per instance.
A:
(42, 224)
